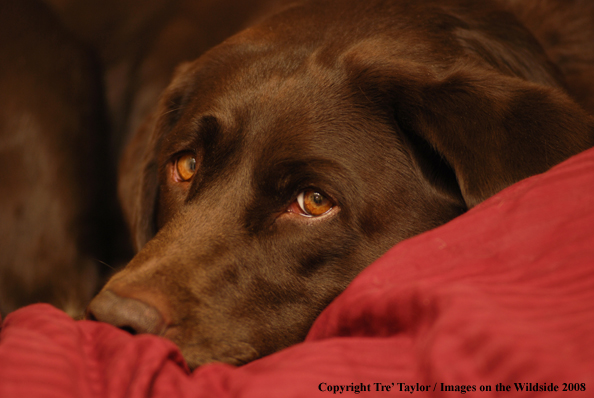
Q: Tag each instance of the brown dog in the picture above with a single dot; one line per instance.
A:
(282, 162)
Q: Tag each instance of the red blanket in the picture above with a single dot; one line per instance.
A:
(500, 299)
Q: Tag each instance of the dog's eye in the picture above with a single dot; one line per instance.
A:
(311, 203)
(185, 166)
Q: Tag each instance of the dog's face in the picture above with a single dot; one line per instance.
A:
(271, 197)
(287, 159)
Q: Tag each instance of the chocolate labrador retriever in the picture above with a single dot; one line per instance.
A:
(283, 161)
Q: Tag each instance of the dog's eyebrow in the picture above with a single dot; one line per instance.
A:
(207, 129)
(202, 133)
(283, 177)
(188, 136)
(218, 148)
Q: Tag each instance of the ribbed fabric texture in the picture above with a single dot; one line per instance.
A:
(503, 294)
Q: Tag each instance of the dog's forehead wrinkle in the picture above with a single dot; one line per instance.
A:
(261, 75)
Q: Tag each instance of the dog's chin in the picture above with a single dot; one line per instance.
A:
(235, 354)
(236, 357)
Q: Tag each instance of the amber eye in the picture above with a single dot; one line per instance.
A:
(313, 203)
(185, 166)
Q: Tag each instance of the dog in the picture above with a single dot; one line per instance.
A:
(283, 161)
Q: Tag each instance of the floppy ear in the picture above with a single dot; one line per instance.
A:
(138, 181)
(137, 184)
(490, 129)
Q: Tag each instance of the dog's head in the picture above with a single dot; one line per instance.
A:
(284, 161)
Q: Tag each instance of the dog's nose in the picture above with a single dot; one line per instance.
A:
(129, 314)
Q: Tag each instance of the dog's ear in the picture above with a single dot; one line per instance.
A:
(484, 129)
(138, 183)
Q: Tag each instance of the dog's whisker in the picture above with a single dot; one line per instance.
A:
(104, 263)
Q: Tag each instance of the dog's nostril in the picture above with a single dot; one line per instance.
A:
(131, 315)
